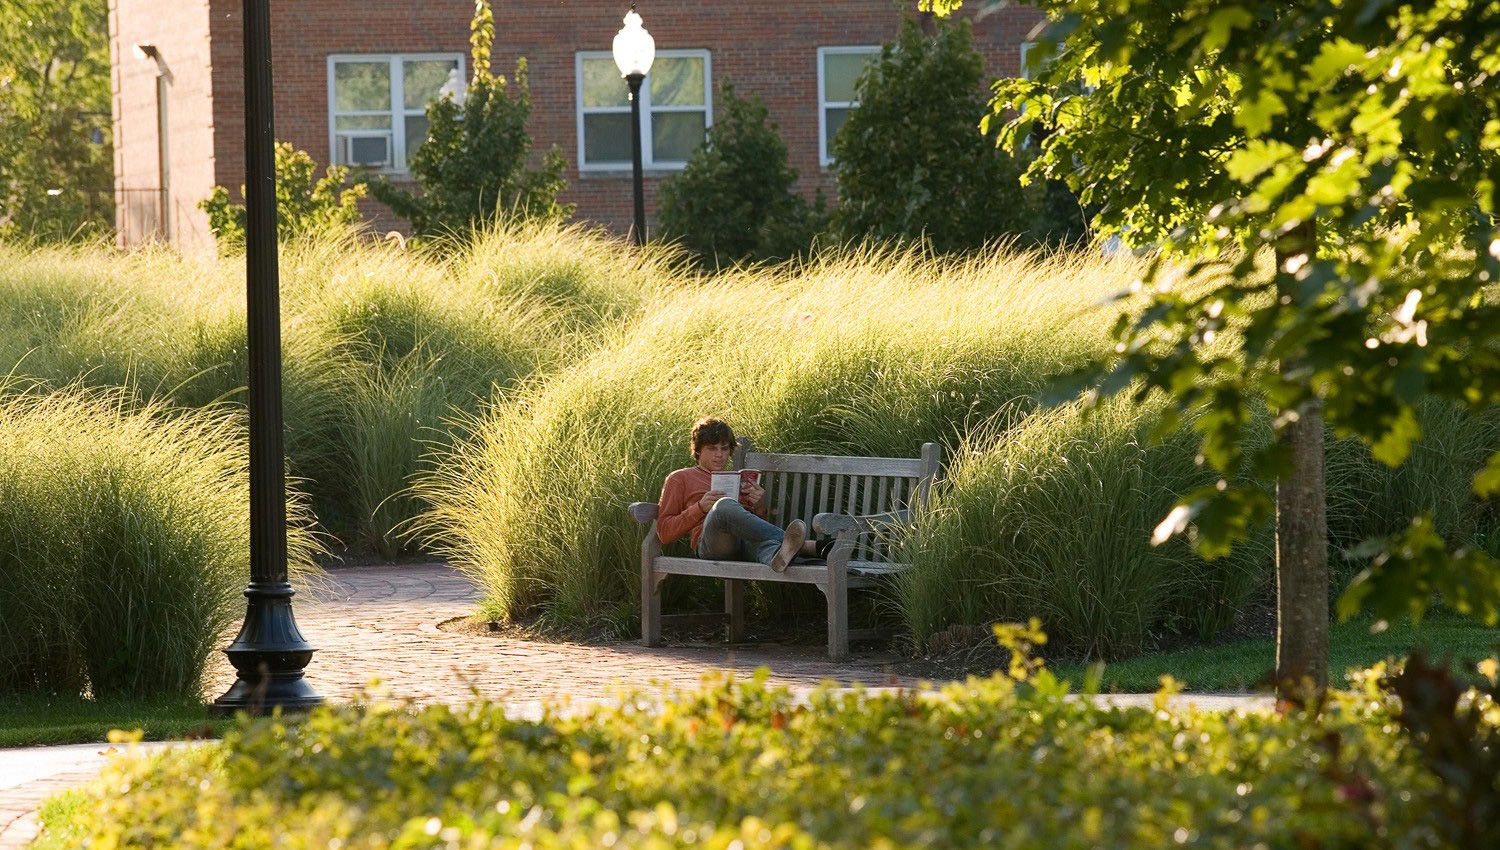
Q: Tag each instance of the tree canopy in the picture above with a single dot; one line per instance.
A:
(910, 164)
(473, 165)
(736, 199)
(306, 204)
(56, 166)
(1358, 143)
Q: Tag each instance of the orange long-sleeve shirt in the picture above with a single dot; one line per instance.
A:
(677, 509)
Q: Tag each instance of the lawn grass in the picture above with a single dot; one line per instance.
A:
(37, 720)
(1241, 665)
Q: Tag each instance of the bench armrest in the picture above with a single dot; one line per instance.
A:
(831, 523)
(643, 512)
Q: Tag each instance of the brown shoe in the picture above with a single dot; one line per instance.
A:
(791, 545)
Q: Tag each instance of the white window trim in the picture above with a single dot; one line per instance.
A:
(648, 158)
(825, 156)
(1025, 72)
(398, 111)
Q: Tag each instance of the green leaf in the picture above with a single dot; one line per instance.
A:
(1335, 58)
(1415, 568)
(1256, 158)
(1220, 25)
(1393, 446)
(1255, 116)
(1487, 481)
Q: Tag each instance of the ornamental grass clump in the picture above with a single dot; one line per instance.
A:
(123, 543)
(384, 350)
(867, 353)
(737, 764)
(1053, 517)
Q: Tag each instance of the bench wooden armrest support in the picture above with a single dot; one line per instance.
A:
(643, 512)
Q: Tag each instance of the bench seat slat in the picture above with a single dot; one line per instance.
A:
(815, 573)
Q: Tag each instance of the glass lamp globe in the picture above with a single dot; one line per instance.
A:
(454, 87)
(634, 48)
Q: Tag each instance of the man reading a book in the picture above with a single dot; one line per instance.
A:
(723, 526)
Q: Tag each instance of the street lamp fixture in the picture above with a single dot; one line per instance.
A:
(453, 87)
(635, 50)
(269, 654)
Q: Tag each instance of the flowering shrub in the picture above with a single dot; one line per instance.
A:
(988, 763)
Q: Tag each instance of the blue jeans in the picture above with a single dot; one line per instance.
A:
(732, 533)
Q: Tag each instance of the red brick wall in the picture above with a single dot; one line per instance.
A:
(765, 48)
(179, 31)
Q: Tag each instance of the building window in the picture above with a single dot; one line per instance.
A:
(838, 70)
(676, 110)
(377, 105)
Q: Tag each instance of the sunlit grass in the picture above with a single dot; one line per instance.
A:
(383, 348)
(567, 366)
(41, 719)
(866, 353)
(123, 542)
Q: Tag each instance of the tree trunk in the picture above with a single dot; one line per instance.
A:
(1302, 543)
(1302, 566)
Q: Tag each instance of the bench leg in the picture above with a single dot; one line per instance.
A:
(838, 621)
(650, 611)
(734, 606)
(650, 589)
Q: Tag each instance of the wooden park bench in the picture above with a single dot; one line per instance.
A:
(858, 500)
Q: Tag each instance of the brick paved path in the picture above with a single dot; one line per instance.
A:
(381, 622)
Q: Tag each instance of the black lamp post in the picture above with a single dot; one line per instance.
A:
(634, 51)
(270, 653)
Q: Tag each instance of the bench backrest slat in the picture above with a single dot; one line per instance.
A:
(832, 465)
(802, 486)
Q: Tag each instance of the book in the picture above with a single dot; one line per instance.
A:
(728, 481)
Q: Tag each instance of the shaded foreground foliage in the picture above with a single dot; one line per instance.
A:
(738, 764)
(1357, 143)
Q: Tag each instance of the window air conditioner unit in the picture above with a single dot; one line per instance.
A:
(368, 151)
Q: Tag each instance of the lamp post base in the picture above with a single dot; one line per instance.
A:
(269, 656)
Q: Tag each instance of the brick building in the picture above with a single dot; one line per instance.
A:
(351, 80)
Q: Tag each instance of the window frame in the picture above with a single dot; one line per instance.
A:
(825, 156)
(398, 112)
(648, 157)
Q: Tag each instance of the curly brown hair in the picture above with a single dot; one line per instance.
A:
(710, 431)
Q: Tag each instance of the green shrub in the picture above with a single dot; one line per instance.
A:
(472, 167)
(911, 161)
(306, 205)
(738, 764)
(735, 200)
(122, 543)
